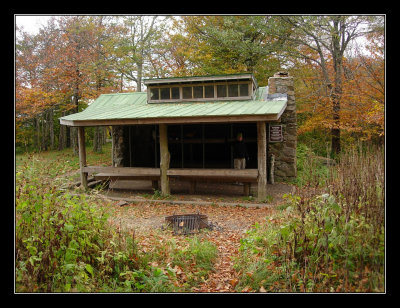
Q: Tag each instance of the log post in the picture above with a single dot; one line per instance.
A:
(246, 189)
(164, 160)
(262, 160)
(271, 172)
(82, 156)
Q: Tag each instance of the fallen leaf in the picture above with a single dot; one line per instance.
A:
(178, 270)
(247, 289)
(234, 282)
(262, 289)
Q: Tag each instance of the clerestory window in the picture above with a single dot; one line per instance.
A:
(200, 92)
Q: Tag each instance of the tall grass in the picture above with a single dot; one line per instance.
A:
(359, 180)
(330, 237)
(65, 243)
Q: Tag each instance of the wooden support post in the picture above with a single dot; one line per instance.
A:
(112, 146)
(130, 146)
(246, 189)
(164, 160)
(82, 156)
(262, 160)
(271, 171)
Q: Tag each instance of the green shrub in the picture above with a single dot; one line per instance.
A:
(332, 242)
(65, 244)
(310, 170)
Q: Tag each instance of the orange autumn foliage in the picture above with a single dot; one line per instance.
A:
(362, 100)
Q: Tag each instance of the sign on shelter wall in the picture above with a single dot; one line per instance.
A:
(275, 133)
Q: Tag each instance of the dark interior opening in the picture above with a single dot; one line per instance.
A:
(192, 145)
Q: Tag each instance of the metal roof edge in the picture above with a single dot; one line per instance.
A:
(150, 81)
(175, 120)
(129, 93)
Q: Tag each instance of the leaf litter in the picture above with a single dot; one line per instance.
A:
(229, 223)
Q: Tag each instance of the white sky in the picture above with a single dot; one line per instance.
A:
(31, 23)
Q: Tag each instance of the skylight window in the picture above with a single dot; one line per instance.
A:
(197, 89)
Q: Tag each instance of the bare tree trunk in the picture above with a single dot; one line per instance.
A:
(139, 77)
(338, 89)
(121, 84)
(74, 140)
(45, 130)
(37, 137)
(62, 138)
(335, 132)
(74, 132)
(104, 134)
(97, 139)
(51, 127)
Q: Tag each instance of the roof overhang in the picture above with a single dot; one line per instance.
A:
(132, 109)
(176, 120)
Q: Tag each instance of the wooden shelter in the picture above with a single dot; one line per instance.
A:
(182, 128)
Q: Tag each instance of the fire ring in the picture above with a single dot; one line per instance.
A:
(188, 223)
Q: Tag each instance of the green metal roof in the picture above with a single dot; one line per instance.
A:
(122, 106)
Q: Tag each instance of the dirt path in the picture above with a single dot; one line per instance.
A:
(231, 223)
(230, 213)
(224, 278)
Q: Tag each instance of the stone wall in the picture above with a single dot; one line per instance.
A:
(120, 146)
(284, 152)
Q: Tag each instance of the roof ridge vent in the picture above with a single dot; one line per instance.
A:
(281, 74)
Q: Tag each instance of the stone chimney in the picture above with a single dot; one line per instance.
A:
(284, 152)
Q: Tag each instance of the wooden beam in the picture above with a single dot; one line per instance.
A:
(175, 120)
(213, 179)
(262, 160)
(213, 172)
(139, 171)
(164, 159)
(114, 177)
(82, 156)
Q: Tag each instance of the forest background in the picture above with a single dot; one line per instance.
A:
(328, 237)
(338, 63)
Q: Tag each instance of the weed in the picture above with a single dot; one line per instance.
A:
(323, 242)
(248, 198)
(65, 244)
(268, 199)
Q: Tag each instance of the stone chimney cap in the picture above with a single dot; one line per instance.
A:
(281, 74)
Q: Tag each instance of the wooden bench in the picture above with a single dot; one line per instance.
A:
(193, 175)
(245, 176)
(124, 173)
